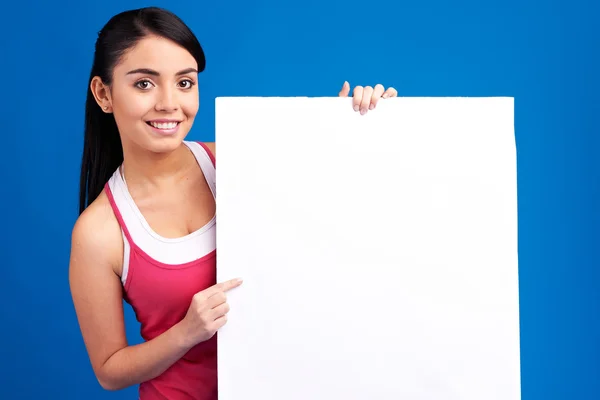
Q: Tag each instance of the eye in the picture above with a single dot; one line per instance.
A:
(186, 84)
(143, 84)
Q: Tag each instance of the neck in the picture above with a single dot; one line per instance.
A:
(144, 167)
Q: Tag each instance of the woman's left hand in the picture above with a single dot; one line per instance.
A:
(366, 98)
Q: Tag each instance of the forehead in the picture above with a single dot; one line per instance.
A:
(159, 54)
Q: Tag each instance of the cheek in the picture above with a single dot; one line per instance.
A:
(132, 108)
(190, 105)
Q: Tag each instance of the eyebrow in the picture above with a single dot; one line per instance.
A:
(148, 71)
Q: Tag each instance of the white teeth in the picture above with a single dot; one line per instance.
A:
(164, 125)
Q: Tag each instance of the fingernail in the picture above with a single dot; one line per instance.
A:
(372, 106)
(385, 96)
(355, 108)
(363, 111)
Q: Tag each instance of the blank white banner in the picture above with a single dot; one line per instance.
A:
(378, 252)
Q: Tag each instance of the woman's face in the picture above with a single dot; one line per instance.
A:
(154, 95)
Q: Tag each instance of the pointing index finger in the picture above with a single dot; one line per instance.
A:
(223, 286)
(230, 284)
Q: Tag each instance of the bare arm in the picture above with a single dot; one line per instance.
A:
(97, 295)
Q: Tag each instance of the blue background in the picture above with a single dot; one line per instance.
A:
(546, 54)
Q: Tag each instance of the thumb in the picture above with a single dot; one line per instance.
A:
(345, 90)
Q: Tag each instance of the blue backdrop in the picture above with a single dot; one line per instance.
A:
(545, 53)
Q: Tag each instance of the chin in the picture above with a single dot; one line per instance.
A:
(164, 142)
(163, 145)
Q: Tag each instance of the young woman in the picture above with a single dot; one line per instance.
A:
(146, 230)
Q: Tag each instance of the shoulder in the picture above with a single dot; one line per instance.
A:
(212, 147)
(96, 236)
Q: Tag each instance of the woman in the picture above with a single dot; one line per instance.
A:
(146, 230)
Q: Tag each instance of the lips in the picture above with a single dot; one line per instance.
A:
(166, 125)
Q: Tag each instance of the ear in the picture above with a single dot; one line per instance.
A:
(101, 93)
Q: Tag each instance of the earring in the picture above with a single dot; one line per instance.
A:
(105, 108)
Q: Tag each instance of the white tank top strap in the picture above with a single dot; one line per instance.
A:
(171, 251)
(206, 164)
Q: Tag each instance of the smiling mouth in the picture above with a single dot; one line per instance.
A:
(163, 125)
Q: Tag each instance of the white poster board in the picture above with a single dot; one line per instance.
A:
(378, 252)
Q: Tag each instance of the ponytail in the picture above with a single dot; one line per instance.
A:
(102, 151)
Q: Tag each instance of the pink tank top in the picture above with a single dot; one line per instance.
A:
(160, 276)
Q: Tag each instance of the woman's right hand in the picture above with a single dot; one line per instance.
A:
(207, 313)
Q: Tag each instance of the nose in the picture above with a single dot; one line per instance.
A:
(167, 101)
